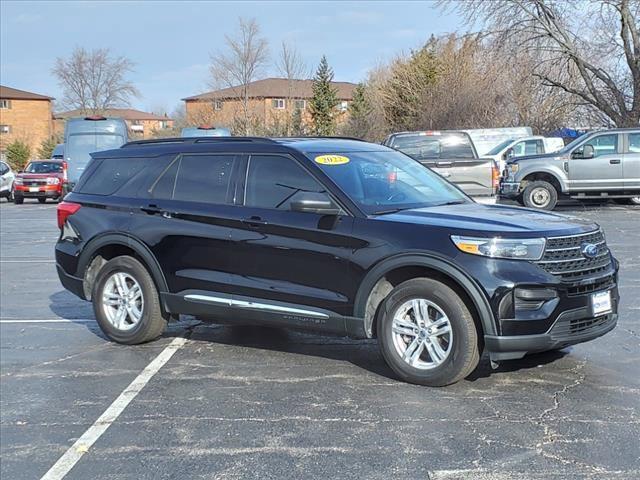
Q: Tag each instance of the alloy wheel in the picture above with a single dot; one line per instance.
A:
(122, 301)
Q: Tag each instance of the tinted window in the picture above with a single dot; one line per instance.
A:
(44, 167)
(424, 147)
(111, 174)
(163, 187)
(634, 143)
(204, 178)
(275, 181)
(3, 169)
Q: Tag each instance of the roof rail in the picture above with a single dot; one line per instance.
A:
(194, 140)
(321, 137)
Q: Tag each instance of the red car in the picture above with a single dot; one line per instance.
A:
(41, 179)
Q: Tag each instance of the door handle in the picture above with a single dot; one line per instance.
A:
(614, 161)
(254, 221)
(151, 209)
(444, 164)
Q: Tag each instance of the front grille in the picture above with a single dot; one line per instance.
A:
(34, 183)
(563, 256)
(571, 329)
(600, 284)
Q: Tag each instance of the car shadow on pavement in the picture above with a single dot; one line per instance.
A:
(535, 360)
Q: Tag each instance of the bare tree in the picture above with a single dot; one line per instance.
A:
(246, 56)
(597, 43)
(291, 66)
(94, 80)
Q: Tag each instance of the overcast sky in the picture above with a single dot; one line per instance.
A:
(171, 42)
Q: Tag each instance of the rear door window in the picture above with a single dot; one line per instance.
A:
(203, 178)
(634, 143)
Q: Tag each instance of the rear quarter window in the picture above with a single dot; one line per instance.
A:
(424, 148)
(110, 174)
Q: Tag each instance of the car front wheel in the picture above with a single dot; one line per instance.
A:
(541, 195)
(126, 302)
(427, 334)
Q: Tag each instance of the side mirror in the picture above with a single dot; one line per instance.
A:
(314, 202)
(509, 153)
(588, 151)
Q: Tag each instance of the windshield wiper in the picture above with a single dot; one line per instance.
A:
(391, 210)
(452, 202)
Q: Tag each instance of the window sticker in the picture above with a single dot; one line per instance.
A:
(332, 160)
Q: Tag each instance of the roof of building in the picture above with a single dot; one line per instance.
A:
(125, 113)
(15, 94)
(275, 88)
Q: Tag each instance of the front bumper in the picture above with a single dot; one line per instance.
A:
(48, 191)
(509, 189)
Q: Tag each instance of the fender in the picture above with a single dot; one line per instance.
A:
(555, 171)
(434, 262)
(128, 241)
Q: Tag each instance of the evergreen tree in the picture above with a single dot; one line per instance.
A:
(18, 154)
(297, 126)
(46, 147)
(324, 100)
(360, 109)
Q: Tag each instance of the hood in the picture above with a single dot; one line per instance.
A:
(40, 175)
(476, 218)
(535, 157)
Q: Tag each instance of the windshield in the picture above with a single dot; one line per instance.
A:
(383, 182)
(44, 167)
(434, 146)
(501, 146)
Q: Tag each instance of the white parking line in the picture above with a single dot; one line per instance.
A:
(95, 431)
(27, 261)
(47, 320)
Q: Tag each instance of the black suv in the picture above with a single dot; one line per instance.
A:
(332, 235)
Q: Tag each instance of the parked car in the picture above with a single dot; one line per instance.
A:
(41, 179)
(6, 181)
(205, 131)
(452, 155)
(485, 139)
(337, 236)
(521, 147)
(82, 136)
(599, 165)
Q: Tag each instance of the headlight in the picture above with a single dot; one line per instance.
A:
(512, 168)
(513, 248)
(53, 181)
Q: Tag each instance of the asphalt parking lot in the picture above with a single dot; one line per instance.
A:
(246, 402)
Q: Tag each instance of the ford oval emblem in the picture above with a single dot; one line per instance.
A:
(589, 250)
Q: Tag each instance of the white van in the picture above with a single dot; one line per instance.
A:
(485, 139)
(520, 147)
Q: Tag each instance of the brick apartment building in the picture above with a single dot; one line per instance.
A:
(24, 116)
(271, 100)
(141, 124)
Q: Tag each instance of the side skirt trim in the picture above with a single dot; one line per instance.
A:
(254, 305)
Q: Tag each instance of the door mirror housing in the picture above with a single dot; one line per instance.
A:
(509, 153)
(586, 152)
(314, 202)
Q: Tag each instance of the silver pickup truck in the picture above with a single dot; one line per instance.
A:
(452, 155)
(597, 166)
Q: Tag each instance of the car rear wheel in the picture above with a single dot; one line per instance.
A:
(427, 334)
(126, 302)
(541, 195)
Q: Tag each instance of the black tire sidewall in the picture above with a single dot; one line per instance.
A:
(464, 332)
(553, 195)
(140, 332)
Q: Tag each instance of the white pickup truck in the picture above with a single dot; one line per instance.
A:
(520, 147)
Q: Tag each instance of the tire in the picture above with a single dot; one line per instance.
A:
(519, 200)
(628, 201)
(541, 195)
(459, 351)
(42, 200)
(18, 200)
(130, 331)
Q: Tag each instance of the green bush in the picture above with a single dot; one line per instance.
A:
(18, 154)
(46, 147)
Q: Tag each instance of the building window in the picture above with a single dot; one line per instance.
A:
(278, 103)
(5, 128)
(5, 104)
(343, 106)
(301, 104)
(217, 105)
(163, 124)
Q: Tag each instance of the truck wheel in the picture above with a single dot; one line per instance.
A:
(541, 195)
(126, 302)
(628, 201)
(42, 200)
(18, 200)
(427, 334)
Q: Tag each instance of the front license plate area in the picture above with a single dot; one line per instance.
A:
(33, 189)
(601, 303)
